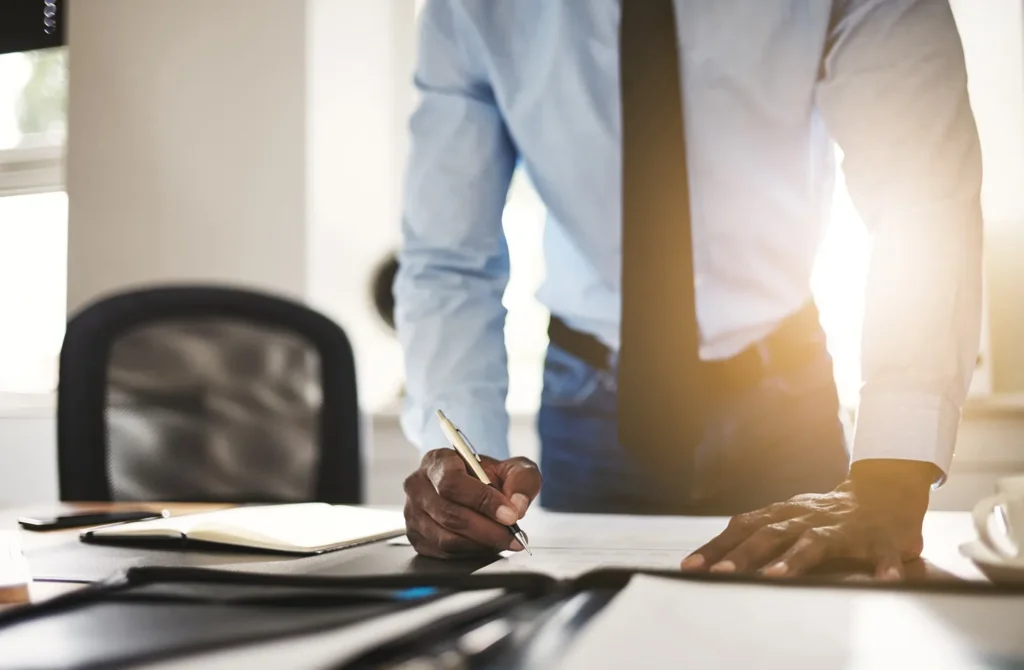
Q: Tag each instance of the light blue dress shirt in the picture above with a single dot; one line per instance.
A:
(767, 85)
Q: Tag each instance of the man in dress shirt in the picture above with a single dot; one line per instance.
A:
(717, 262)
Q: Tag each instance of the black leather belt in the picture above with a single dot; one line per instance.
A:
(795, 342)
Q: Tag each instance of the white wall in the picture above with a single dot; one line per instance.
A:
(28, 456)
(186, 157)
(255, 142)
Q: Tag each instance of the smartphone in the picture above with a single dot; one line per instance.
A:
(86, 519)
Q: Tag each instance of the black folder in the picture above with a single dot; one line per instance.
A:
(147, 614)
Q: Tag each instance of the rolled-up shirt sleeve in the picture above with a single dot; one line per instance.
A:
(454, 262)
(894, 96)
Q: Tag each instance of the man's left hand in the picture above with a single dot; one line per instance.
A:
(876, 516)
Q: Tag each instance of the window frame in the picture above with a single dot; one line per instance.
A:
(35, 168)
(32, 169)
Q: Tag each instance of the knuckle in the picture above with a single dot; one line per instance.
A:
(742, 521)
(437, 462)
(447, 486)
(452, 517)
(778, 529)
(409, 485)
(487, 500)
(820, 534)
(433, 456)
(529, 468)
(524, 462)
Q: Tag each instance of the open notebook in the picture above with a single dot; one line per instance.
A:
(304, 528)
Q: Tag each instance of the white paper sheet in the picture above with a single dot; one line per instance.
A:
(568, 545)
(569, 563)
(664, 623)
(615, 531)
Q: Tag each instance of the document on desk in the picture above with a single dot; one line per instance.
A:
(656, 622)
(571, 563)
(619, 531)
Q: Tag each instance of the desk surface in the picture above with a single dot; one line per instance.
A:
(944, 532)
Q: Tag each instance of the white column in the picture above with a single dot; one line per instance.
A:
(253, 142)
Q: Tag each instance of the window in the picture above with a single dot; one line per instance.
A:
(33, 218)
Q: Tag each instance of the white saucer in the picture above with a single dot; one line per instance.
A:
(995, 567)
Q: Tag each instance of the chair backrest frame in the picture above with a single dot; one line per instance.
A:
(85, 355)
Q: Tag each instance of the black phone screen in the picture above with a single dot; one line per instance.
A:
(85, 519)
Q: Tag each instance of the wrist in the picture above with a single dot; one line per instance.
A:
(888, 478)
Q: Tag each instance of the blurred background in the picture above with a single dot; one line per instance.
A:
(261, 143)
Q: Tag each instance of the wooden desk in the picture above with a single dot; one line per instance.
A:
(944, 532)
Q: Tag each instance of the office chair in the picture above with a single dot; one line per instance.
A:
(203, 393)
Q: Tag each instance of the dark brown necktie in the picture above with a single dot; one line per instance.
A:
(659, 391)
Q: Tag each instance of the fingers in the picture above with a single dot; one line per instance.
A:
(520, 481)
(812, 548)
(449, 512)
(764, 545)
(740, 528)
(429, 538)
(447, 472)
(443, 528)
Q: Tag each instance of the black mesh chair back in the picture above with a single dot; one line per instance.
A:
(211, 394)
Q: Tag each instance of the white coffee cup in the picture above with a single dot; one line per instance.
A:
(1008, 544)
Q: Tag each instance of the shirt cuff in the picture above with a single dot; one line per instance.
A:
(907, 426)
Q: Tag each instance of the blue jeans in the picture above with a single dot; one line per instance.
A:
(763, 444)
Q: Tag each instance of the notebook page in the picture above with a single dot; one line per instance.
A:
(296, 527)
(302, 527)
(172, 526)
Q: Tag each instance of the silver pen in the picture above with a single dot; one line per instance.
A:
(472, 458)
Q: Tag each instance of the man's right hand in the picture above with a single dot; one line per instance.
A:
(449, 513)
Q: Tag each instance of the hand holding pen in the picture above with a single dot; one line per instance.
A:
(451, 513)
(475, 463)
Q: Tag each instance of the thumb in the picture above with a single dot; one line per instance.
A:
(520, 481)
